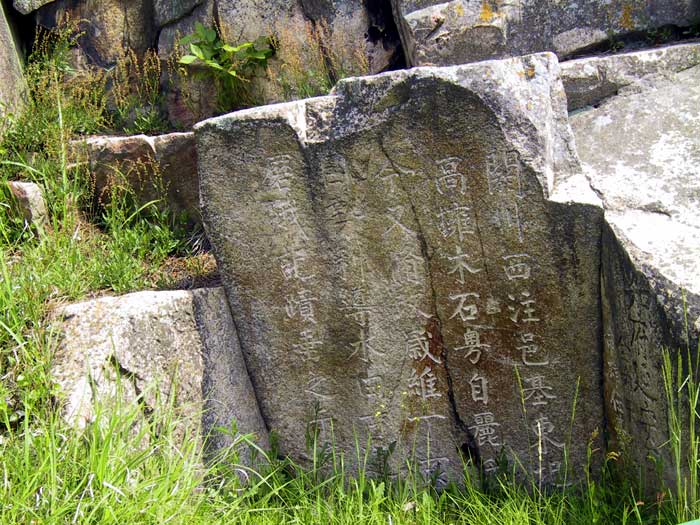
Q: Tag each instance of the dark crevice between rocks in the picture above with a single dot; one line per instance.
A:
(639, 41)
(132, 378)
(602, 320)
(383, 28)
(469, 449)
(23, 27)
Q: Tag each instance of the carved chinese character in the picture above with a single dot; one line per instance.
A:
(435, 468)
(291, 264)
(364, 347)
(288, 220)
(408, 268)
(424, 385)
(459, 265)
(396, 215)
(493, 306)
(549, 471)
(321, 427)
(530, 352)
(503, 173)
(450, 180)
(480, 388)
(536, 391)
(543, 429)
(374, 423)
(418, 346)
(316, 386)
(429, 418)
(493, 172)
(308, 348)
(484, 429)
(489, 466)
(473, 346)
(524, 309)
(301, 306)
(278, 173)
(517, 267)
(466, 310)
(392, 175)
(371, 388)
(456, 220)
(514, 170)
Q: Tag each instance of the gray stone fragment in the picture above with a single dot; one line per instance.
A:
(148, 346)
(162, 167)
(641, 154)
(12, 83)
(31, 203)
(588, 81)
(168, 11)
(392, 259)
(27, 6)
(459, 31)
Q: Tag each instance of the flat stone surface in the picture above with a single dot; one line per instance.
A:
(588, 81)
(641, 154)
(150, 345)
(397, 272)
(460, 31)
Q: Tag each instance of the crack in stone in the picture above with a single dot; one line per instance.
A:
(472, 450)
(181, 17)
(133, 378)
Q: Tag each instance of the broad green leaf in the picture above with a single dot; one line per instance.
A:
(187, 59)
(237, 49)
(214, 65)
(197, 51)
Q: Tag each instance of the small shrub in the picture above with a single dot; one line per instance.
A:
(231, 67)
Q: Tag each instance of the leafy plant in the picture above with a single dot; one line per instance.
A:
(231, 67)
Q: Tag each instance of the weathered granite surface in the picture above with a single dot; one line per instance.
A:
(162, 167)
(641, 154)
(154, 345)
(588, 81)
(459, 31)
(348, 36)
(27, 6)
(110, 27)
(31, 204)
(397, 272)
(12, 83)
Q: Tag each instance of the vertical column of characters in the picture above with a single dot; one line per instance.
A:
(300, 301)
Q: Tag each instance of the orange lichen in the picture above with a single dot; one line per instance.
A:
(486, 14)
(626, 20)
